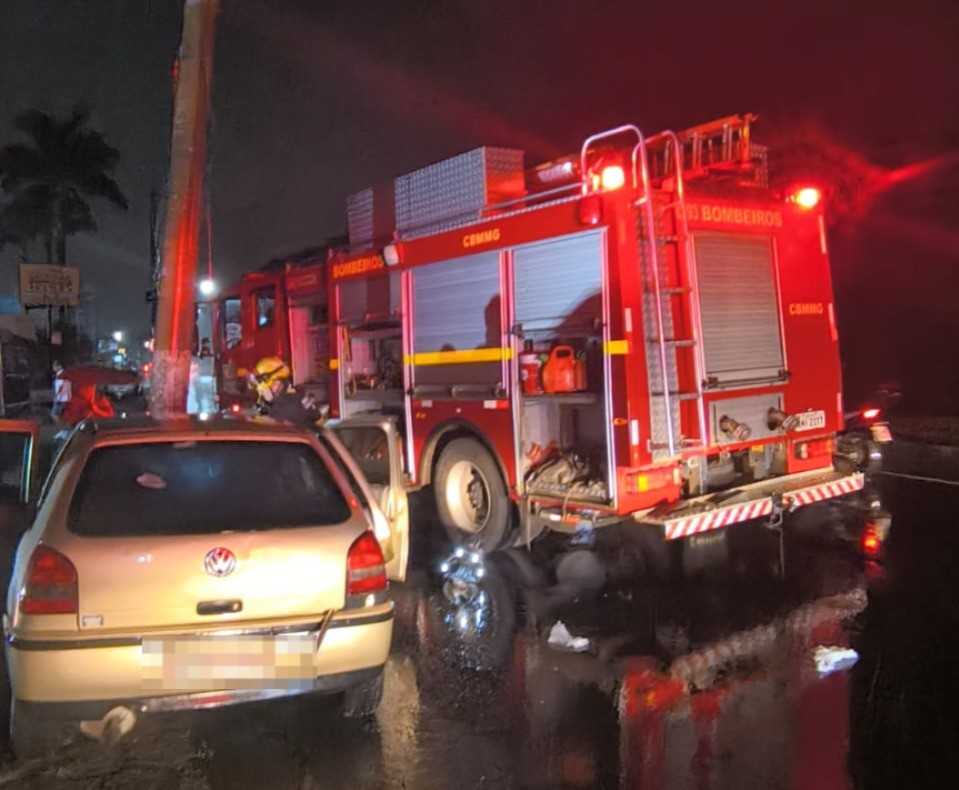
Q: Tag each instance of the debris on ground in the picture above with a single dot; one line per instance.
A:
(561, 639)
(833, 659)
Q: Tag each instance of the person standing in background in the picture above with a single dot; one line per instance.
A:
(62, 390)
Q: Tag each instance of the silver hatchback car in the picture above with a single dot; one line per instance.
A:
(195, 564)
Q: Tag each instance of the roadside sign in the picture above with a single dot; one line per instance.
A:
(49, 285)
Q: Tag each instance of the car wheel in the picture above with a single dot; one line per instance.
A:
(361, 701)
(471, 496)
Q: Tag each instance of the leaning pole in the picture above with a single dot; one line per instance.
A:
(176, 291)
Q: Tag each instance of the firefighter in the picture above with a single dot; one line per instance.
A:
(278, 398)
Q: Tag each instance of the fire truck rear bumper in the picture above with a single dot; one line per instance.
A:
(759, 500)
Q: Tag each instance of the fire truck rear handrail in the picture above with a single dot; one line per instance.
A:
(595, 138)
(692, 278)
(641, 160)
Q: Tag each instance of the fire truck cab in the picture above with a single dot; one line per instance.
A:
(278, 313)
(641, 330)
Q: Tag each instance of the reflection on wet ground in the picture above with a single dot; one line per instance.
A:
(715, 681)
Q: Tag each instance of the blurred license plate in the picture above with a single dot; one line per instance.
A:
(222, 662)
(880, 433)
(809, 420)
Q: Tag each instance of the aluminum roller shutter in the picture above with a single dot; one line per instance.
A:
(558, 282)
(370, 298)
(456, 307)
(740, 307)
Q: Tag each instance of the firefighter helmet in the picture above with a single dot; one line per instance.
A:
(266, 372)
(269, 369)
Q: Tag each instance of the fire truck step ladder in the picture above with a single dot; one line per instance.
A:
(686, 290)
(689, 377)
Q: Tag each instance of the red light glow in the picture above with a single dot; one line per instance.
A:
(806, 198)
(612, 177)
(871, 544)
(870, 414)
(235, 408)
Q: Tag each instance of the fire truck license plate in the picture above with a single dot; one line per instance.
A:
(809, 420)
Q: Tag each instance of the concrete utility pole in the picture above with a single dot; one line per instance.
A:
(176, 294)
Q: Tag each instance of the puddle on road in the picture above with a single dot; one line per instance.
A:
(712, 684)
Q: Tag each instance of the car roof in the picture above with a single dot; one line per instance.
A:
(213, 427)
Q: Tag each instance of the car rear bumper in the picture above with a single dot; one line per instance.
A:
(94, 710)
(110, 670)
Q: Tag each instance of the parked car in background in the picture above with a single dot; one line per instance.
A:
(162, 551)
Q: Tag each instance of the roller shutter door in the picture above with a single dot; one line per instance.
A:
(558, 282)
(740, 307)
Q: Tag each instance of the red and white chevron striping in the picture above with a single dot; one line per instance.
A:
(807, 496)
(723, 517)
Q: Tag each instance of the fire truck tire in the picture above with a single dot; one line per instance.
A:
(471, 496)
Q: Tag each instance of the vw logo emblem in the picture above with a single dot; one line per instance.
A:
(219, 562)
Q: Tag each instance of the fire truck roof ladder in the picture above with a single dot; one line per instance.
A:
(723, 145)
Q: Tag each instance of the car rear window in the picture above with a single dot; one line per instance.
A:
(204, 487)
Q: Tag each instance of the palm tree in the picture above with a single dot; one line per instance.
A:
(49, 179)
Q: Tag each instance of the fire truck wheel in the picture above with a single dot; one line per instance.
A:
(471, 496)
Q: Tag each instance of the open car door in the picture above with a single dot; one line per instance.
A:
(19, 465)
(375, 444)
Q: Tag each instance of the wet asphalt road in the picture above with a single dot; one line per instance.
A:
(695, 682)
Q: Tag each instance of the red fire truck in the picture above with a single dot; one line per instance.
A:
(642, 330)
(273, 313)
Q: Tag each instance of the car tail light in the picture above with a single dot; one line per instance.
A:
(812, 449)
(871, 542)
(870, 414)
(51, 585)
(365, 568)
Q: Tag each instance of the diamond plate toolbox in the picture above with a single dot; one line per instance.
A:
(457, 188)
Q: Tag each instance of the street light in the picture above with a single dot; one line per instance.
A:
(207, 287)
(118, 336)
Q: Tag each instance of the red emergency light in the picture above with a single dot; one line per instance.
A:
(806, 197)
(612, 177)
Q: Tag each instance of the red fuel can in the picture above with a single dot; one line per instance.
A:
(559, 371)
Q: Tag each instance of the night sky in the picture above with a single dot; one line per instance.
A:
(314, 100)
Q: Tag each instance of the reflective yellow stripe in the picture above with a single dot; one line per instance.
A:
(334, 364)
(457, 357)
(612, 347)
